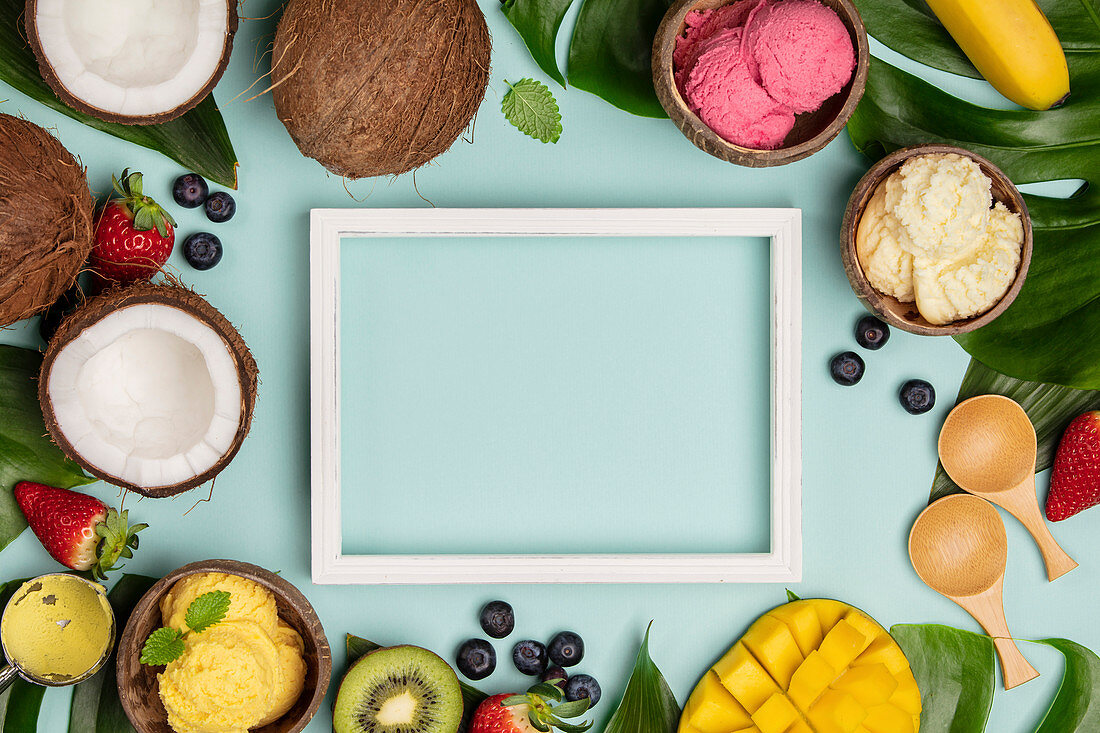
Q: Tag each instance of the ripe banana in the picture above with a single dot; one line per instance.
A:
(1013, 46)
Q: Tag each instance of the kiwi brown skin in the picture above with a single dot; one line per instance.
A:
(379, 87)
(46, 219)
(360, 660)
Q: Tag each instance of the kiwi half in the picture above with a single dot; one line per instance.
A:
(399, 689)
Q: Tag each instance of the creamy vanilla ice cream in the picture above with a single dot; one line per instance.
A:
(930, 234)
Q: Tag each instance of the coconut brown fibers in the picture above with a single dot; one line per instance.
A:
(46, 217)
(378, 87)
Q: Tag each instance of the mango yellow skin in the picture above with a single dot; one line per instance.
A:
(810, 666)
(1013, 46)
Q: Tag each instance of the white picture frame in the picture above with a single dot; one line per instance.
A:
(781, 227)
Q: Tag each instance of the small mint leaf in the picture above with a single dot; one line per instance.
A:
(207, 610)
(791, 597)
(163, 646)
(531, 107)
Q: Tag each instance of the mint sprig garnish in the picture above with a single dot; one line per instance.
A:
(531, 107)
(207, 610)
(165, 645)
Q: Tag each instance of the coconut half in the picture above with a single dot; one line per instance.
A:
(149, 388)
(131, 61)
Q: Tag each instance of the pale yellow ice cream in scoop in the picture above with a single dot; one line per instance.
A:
(57, 627)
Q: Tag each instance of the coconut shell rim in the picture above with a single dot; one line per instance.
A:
(284, 591)
(102, 305)
(45, 68)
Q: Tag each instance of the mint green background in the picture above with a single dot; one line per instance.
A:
(559, 386)
(867, 464)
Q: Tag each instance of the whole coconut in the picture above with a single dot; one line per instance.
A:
(378, 87)
(46, 217)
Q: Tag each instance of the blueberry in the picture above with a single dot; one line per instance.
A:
(566, 649)
(917, 396)
(529, 657)
(497, 619)
(190, 190)
(220, 207)
(476, 659)
(202, 250)
(581, 686)
(871, 333)
(846, 368)
(554, 675)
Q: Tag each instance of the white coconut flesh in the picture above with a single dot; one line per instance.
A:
(149, 394)
(133, 57)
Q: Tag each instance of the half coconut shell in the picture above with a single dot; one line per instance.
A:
(149, 388)
(46, 219)
(131, 63)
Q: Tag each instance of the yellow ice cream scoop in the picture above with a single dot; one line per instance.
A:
(56, 630)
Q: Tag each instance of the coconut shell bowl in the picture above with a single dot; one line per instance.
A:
(812, 130)
(137, 683)
(905, 315)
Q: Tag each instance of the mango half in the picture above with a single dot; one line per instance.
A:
(812, 666)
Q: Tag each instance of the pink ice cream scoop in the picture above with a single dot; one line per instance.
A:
(746, 68)
(799, 51)
(720, 89)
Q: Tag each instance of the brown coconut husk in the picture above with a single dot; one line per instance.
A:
(370, 88)
(176, 296)
(49, 75)
(46, 219)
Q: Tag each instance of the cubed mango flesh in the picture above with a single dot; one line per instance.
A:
(773, 645)
(805, 626)
(884, 650)
(776, 715)
(811, 679)
(842, 645)
(836, 712)
(712, 709)
(813, 666)
(870, 684)
(745, 678)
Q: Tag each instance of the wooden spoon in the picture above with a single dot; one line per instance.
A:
(987, 447)
(959, 549)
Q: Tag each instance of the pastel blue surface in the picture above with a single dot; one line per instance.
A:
(867, 464)
(601, 387)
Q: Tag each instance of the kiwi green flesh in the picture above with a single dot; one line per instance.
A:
(403, 689)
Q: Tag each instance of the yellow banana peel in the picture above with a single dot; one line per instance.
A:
(1012, 44)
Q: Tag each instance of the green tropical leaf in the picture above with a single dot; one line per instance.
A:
(20, 703)
(95, 706)
(538, 22)
(955, 674)
(198, 140)
(648, 705)
(609, 52)
(1051, 333)
(1076, 706)
(26, 453)
(1051, 407)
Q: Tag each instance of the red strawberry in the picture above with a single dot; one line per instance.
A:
(1075, 479)
(134, 235)
(528, 713)
(78, 530)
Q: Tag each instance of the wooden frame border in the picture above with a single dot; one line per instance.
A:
(783, 563)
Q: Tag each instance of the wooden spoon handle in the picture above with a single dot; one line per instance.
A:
(988, 609)
(1014, 668)
(1022, 504)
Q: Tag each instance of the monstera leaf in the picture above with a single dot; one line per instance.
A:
(1051, 333)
